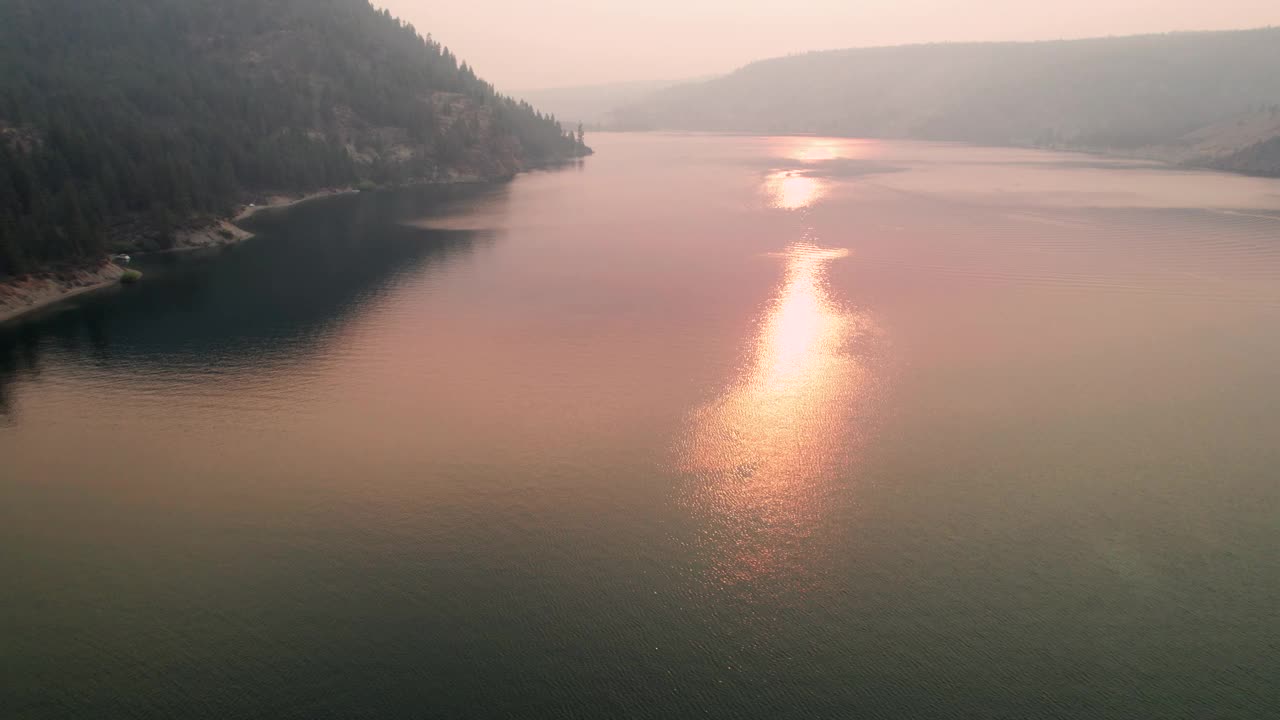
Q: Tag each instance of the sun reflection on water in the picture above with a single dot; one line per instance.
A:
(820, 149)
(803, 176)
(762, 453)
(793, 189)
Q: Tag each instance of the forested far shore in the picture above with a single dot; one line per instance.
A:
(134, 117)
(1199, 98)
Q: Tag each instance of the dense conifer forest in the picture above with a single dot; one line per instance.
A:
(148, 113)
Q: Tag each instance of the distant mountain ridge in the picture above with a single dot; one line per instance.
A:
(595, 104)
(144, 114)
(1112, 94)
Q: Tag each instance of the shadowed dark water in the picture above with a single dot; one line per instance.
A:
(705, 427)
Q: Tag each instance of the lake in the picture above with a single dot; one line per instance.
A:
(703, 426)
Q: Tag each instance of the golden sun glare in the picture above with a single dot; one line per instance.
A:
(760, 450)
(793, 189)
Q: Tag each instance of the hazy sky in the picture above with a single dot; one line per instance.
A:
(532, 44)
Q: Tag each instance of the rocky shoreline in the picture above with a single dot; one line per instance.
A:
(33, 292)
(282, 201)
(38, 290)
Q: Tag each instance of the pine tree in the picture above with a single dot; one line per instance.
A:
(11, 261)
(181, 128)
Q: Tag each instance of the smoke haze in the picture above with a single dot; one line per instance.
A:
(526, 45)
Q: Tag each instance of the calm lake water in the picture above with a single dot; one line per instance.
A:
(702, 427)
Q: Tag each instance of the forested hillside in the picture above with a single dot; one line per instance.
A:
(1110, 93)
(146, 113)
(1258, 159)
